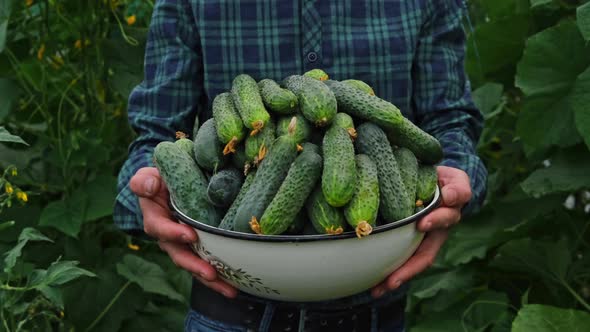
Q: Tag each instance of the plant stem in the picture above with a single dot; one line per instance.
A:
(576, 295)
(18, 289)
(108, 307)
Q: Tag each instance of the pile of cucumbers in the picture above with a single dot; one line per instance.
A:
(307, 156)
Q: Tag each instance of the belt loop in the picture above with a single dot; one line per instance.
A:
(269, 310)
(302, 313)
(374, 319)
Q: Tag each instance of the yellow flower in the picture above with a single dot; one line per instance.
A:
(14, 172)
(132, 246)
(61, 314)
(8, 188)
(28, 3)
(22, 196)
(57, 61)
(78, 44)
(41, 52)
(131, 20)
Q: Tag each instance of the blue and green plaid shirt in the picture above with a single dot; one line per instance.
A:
(410, 51)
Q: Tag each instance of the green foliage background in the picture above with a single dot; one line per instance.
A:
(67, 67)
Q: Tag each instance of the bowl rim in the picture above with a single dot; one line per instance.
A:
(434, 203)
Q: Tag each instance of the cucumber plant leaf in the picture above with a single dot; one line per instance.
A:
(583, 20)
(5, 136)
(544, 318)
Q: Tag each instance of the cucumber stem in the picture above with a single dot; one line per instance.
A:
(257, 127)
(261, 154)
(299, 148)
(180, 134)
(419, 203)
(331, 231)
(292, 126)
(352, 133)
(255, 225)
(321, 122)
(363, 229)
(230, 147)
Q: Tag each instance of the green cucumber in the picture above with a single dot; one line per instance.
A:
(339, 176)
(298, 224)
(228, 220)
(316, 102)
(424, 146)
(196, 126)
(238, 159)
(345, 121)
(185, 144)
(310, 146)
(361, 212)
(309, 229)
(208, 148)
(426, 184)
(248, 102)
(256, 144)
(229, 125)
(408, 166)
(325, 218)
(372, 141)
(302, 132)
(277, 99)
(185, 182)
(224, 187)
(362, 86)
(317, 74)
(269, 177)
(290, 198)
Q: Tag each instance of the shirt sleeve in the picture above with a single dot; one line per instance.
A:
(166, 101)
(442, 94)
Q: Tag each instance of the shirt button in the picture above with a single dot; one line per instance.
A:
(312, 56)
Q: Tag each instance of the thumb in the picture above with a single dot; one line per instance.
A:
(146, 182)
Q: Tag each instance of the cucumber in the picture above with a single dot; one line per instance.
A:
(426, 184)
(291, 196)
(325, 218)
(239, 158)
(185, 144)
(309, 229)
(196, 126)
(408, 166)
(186, 183)
(310, 146)
(361, 212)
(424, 146)
(269, 177)
(362, 86)
(362, 105)
(257, 145)
(298, 224)
(230, 129)
(248, 102)
(345, 121)
(339, 176)
(302, 132)
(316, 102)
(208, 148)
(224, 187)
(372, 141)
(228, 220)
(277, 99)
(317, 74)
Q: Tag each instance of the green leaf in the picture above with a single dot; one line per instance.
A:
(496, 9)
(568, 172)
(60, 273)
(5, 136)
(9, 93)
(149, 276)
(429, 286)
(67, 215)
(53, 294)
(487, 96)
(579, 101)
(487, 309)
(551, 63)
(102, 192)
(583, 19)
(5, 9)
(27, 234)
(540, 3)
(437, 322)
(544, 318)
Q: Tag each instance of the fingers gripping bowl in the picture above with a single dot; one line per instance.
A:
(307, 267)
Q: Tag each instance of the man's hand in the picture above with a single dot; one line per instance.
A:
(173, 237)
(456, 192)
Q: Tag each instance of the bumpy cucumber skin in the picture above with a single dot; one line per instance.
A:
(364, 205)
(238, 159)
(227, 119)
(248, 101)
(362, 105)
(208, 148)
(362, 86)
(298, 224)
(302, 131)
(224, 187)
(228, 220)
(310, 146)
(316, 102)
(323, 216)
(271, 173)
(372, 141)
(291, 196)
(186, 145)
(266, 136)
(339, 176)
(277, 99)
(186, 183)
(317, 74)
(343, 120)
(408, 167)
(426, 183)
(425, 147)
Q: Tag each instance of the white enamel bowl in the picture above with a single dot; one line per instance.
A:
(305, 268)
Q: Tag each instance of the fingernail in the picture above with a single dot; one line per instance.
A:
(149, 185)
(449, 196)
(396, 284)
(379, 292)
(427, 226)
(226, 294)
(185, 238)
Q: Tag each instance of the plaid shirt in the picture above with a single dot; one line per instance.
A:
(411, 52)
